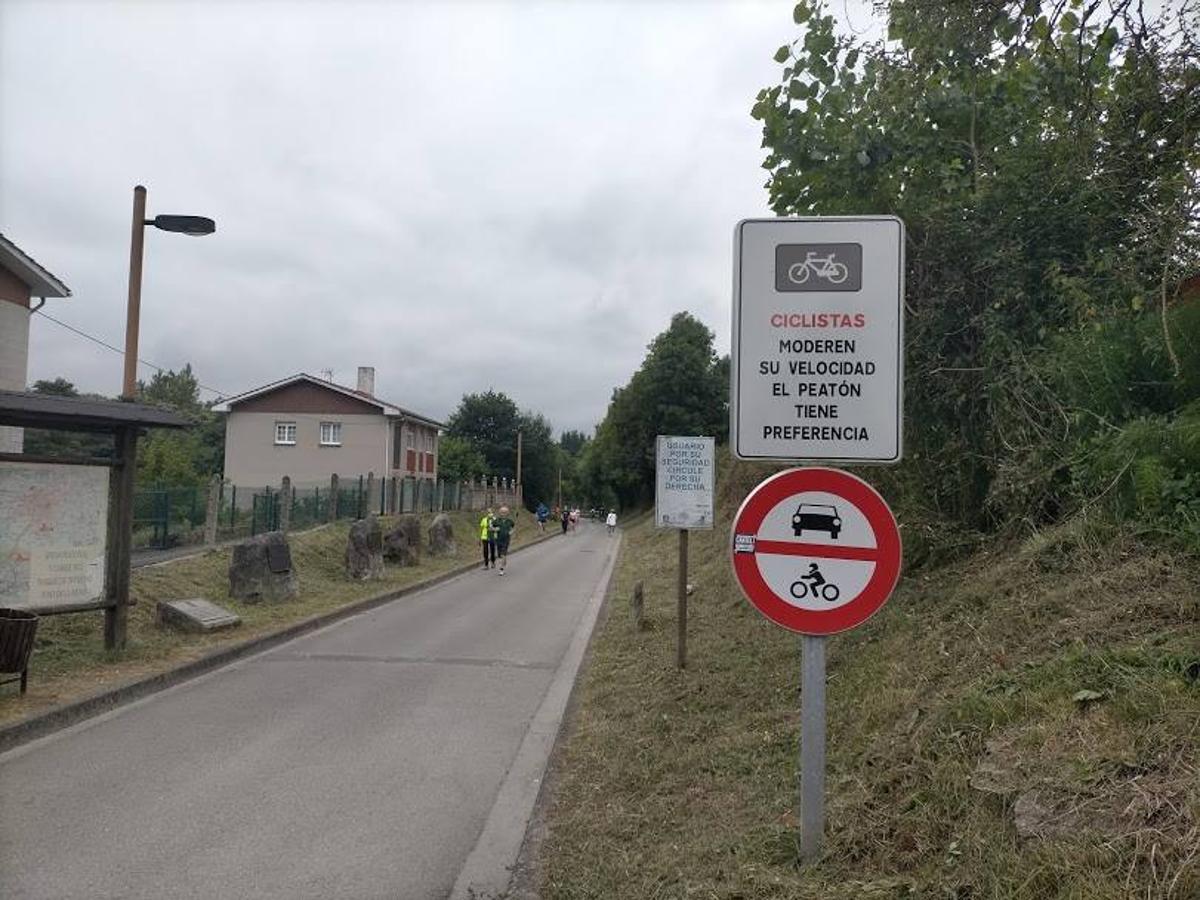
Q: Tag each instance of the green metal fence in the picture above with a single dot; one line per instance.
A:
(165, 517)
(170, 516)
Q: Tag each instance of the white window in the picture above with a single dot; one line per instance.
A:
(285, 433)
(331, 434)
(408, 438)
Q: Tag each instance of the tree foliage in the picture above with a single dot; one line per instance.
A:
(489, 422)
(180, 458)
(1043, 156)
(681, 388)
(459, 459)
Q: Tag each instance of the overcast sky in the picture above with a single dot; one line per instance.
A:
(464, 196)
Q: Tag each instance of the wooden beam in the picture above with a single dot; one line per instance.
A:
(120, 539)
(58, 460)
(85, 606)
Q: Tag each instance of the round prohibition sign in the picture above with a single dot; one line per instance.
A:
(816, 550)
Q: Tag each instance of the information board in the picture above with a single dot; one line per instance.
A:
(683, 493)
(53, 524)
(817, 363)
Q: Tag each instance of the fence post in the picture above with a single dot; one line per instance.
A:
(333, 498)
(233, 509)
(212, 510)
(285, 504)
(364, 506)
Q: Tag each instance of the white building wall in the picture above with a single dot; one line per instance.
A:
(252, 458)
(14, 364)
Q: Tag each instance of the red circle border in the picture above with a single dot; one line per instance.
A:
(883, 580)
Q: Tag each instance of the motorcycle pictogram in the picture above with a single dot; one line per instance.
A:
(818, 587)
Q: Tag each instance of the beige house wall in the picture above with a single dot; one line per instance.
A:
(14, 350)
(253, 459)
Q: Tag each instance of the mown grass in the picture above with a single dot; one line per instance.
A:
(951, 716)
(69, 659)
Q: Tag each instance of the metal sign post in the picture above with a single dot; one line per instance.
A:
(811, 813)
(816, 551)
(681, 649)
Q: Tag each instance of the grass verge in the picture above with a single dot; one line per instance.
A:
(70, 662)
(1024, 723)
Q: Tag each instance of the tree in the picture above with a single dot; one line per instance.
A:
(1043, 157)
(489, 422)
(459, 459)
(58, 387)
(180, 458)
(681, 388)
(572, 441)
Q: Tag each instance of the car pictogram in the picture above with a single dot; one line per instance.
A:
(816, 517)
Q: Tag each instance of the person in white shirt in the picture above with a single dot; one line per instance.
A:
(611, 521)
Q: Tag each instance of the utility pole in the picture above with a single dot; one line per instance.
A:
(520, 492)
(560, 487)
(133, 309)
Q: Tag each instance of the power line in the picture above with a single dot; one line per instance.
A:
(121, 352)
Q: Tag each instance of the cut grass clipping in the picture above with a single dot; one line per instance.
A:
(70, 662)
(1021, 724)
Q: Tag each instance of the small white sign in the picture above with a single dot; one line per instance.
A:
(818, 339)
(683, 495)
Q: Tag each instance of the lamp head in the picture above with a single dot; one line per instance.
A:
(195, 226)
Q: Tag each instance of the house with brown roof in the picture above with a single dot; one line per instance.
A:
(310, 428)
(21, 279)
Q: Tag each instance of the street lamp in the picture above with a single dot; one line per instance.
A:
(195, 226)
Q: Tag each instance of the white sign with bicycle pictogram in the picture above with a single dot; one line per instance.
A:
(817, 363)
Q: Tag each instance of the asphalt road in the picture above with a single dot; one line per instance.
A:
(360, 762)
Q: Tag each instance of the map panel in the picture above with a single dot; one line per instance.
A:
(53, 524)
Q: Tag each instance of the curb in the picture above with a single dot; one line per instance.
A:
(488, 869)
(41, 724)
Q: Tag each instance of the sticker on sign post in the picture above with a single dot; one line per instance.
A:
(816, 550)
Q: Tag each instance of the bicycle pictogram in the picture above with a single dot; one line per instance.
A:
(824, 267)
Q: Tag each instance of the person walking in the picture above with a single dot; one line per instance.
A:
(611, 522)
(504, 528)
(487, 538)
(566, 519)
(542, 515)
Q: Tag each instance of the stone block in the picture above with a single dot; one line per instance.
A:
(364, 550)
(261, 569)
(196, 614)
(441, 536)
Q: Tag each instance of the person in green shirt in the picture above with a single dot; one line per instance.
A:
(487, 538)
(504, 529)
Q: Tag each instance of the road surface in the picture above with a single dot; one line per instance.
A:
(361, 761)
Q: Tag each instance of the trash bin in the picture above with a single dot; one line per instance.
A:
(17, 630)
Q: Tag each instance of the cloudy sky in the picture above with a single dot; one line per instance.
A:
(463, 195)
